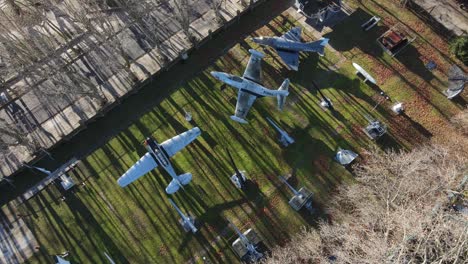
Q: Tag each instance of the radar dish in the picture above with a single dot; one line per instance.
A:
(457, 81)
(345, 157)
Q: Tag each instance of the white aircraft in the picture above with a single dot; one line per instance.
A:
(250, 87)
(158, 155)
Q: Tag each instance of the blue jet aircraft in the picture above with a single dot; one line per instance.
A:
(289, 45)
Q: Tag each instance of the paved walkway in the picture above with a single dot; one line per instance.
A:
(60, 120)
(447, 13)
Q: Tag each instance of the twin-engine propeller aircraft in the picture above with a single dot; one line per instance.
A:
(158, 155)
(250, 87)
(289, 45)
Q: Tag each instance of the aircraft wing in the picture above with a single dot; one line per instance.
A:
(290, 58)
(244, 103)
(175, 144)
(254, 67)
(140, 168)
(294, 34)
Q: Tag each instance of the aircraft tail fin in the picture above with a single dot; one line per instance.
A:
(318, 46)
(282, 98)
(238, 119)
(181, 180)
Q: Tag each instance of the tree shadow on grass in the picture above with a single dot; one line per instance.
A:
(411, 58)
(92, 227)
(348, 34)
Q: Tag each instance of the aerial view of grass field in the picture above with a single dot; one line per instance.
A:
(137, 224)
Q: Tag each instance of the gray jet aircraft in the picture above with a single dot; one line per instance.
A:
(289, 45)
(250, 87)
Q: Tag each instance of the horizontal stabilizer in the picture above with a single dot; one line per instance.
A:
(256, 53)
(282, 98)
(185, 178)
(173, 187)
(238, 119)
(318, 46)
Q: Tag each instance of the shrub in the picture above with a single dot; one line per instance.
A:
(459, 48)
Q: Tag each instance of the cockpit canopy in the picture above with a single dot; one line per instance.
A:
(236, 78)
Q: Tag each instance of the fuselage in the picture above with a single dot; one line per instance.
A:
(283, 44)
(245, 85)
(187, 220)
(160, 156)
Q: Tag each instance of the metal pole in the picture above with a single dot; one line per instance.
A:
(290, 187)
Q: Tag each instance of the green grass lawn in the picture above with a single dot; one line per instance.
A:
(138, 225)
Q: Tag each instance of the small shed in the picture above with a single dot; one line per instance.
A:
(394, 40)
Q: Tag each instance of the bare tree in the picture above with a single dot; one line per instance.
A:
(15, 7)
(404, 3)
(216, 5)
(246, 2)
(406, 207)
(182, 15)
(11, 135)
(71, 84)
(461, 122)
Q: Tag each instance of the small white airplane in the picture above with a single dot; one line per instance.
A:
(158, 155)
(250, 87)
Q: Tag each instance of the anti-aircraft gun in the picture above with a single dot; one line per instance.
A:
(246, 245)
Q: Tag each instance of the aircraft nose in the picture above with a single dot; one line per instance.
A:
(217, 75)
(255, 39)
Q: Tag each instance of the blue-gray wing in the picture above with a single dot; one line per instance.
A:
(244, 103)
(254, 67)
(141, 167)
(175, 144)
(294, 34)
(291, 58)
